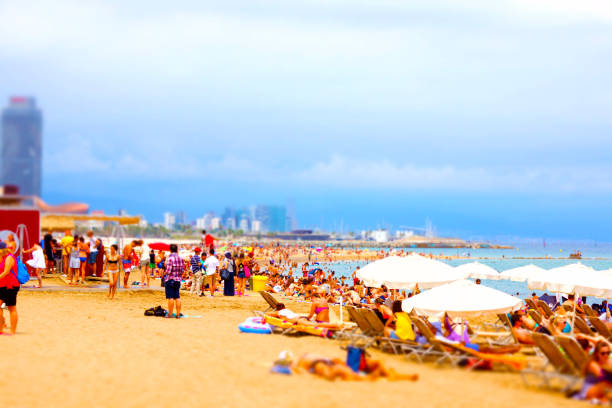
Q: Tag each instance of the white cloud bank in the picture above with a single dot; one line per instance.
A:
(337, 171)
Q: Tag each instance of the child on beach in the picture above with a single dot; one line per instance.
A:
(74, 264)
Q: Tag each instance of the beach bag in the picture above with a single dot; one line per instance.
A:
(225, 274)
(22, 272)
(355, 358)
(247, 272)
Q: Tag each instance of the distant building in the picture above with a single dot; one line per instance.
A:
(180, 218)
(400, 234)
(256, 226)
(380, 235)
(200, 223)
(273, 218)
(22, 146)
(215, 223)
(169, 220)
(244, 223)
(143, 223)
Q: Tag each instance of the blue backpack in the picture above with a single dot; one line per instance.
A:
(22, 272)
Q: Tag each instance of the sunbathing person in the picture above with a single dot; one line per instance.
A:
(450, 333)
(319, 308)
(336, 368)
(288, 315)
(399, 325)
(597, 385)
(523, 326)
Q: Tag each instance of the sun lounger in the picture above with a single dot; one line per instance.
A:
(272, 302)
(535, 316)
(531, 304)
(456, 352)
(588, 310)
(557, 367)
(600, 327)
(574, 351)
(545, 308)
(582, 326)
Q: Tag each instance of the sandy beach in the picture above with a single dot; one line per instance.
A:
(77, 348)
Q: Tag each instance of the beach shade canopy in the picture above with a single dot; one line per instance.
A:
(522, 273)
(461, 298)
(159, 246)
(574, 278)
(407, 272)
(476, 270)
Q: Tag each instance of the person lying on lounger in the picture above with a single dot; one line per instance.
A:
(597, 384)
(288, 315)
(335, 368)
(319, 308)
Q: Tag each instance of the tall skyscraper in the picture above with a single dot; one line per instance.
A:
(273, 218)
(22, 145)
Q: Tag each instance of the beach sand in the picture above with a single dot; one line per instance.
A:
(79, 349)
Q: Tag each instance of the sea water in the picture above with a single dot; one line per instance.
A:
(598, 257)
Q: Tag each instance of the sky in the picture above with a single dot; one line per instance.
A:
(490, 118)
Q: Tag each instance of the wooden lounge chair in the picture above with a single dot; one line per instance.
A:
(545, 309)
(588, 310)
(363, 339)
(574, 351)
(600, 327)
(272, 302)
(377, 330)
(537, 317)
(582, 326)
(455, 353)
(557, 366)
(531, 304)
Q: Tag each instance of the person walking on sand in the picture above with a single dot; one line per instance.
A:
(37, 263)
(93, 252)
(174, 271)
(9, 286)
(198, 274)
(75, 261)
(208, 241)
(113, 266)
(128, 254)
(211, 264)
(66, 243)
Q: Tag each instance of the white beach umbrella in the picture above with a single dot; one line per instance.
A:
(406, 272)
(462, 298)
(522, 273)
(574, 278)
(476, 270)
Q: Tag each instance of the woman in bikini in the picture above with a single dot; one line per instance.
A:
(113, 266)
(83, 255)
(319, 308)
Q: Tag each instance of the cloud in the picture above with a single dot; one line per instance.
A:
(352, 173)
(338, 172)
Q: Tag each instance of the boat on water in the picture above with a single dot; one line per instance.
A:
(576, 255)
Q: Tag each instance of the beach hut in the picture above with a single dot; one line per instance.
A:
(463, 299)
(476, 270)
(522, 273)
(407, 272)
